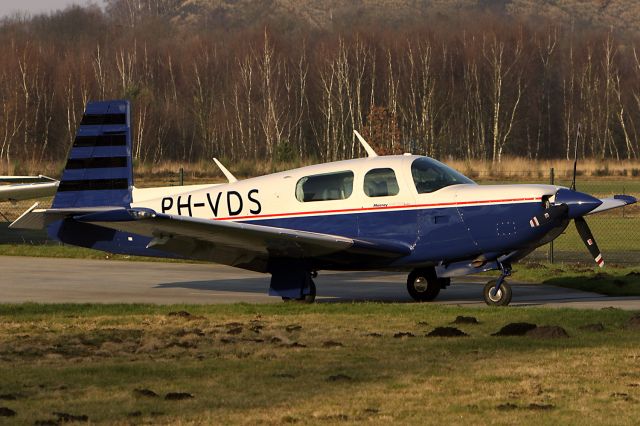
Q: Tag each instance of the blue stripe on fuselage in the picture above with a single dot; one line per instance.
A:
(440, 234)
(436, 233)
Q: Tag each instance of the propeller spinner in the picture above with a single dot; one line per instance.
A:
(574, 205)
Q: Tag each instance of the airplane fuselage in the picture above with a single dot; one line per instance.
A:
(455, 222)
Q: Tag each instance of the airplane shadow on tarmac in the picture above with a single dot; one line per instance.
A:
(344, 289)
(352, 287)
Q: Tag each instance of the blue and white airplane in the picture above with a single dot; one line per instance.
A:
(401, 212)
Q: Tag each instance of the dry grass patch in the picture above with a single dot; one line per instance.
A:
(248, 364)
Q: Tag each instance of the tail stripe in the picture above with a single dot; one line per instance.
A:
(102, 119)
(101, 140)
(96, 162)
(93, 185)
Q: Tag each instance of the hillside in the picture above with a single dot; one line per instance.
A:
(325, 14)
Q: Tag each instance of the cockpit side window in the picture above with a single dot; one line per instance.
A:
(380, 183)
(325, 187)
(430, 175)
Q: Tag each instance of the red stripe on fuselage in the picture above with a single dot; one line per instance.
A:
(410, 206)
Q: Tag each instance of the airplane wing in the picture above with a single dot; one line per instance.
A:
(613, 203)
(232, 243)
(25, 191)
(26, 179)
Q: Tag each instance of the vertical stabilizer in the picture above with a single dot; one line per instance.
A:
(99, 170)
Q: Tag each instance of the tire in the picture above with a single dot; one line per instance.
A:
(307, 298)
(423, 285)
(500, 298)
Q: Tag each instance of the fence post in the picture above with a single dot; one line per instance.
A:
(181, 176)
(550, 251)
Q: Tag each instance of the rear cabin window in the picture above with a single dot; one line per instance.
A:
(380, 183)
(325, 187)
(430, 175)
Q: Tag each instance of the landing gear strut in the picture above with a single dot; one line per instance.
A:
(306, 298)
(293, 283)
(424, 285)
(498, 292)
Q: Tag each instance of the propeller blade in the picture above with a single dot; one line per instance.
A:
(550, 214)
(589, 241)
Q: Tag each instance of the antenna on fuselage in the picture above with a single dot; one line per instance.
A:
(231, 178)
(575, 160)
(367, 147)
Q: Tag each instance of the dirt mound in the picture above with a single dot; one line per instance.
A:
(593, 327)
(10, 396)
(446, 332)
(67, 418)
(332, 344)
(339, 378)
(515, 329)
(145, 392)
(507, 407)
(6, 412)
(542, 407)
(460, 319)
(548, 332)
(177, 396)
(634, 322)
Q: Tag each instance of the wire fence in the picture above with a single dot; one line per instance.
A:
(617, 232)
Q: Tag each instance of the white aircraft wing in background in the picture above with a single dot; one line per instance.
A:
(27, 187)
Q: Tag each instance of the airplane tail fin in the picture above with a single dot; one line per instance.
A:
(99, 170)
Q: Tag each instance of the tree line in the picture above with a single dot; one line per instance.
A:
(477, 86)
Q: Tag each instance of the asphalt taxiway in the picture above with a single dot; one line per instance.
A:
(52, 280)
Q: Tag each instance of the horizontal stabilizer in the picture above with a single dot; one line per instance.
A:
(35, 218)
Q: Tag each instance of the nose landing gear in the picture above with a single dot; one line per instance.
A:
(498, 292)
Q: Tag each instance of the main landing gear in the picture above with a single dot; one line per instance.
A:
(424, 285)
(310, 296)
(498, 292)
(293, 283)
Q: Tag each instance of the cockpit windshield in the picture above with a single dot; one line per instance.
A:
(430, 175)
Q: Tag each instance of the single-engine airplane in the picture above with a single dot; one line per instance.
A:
(399, 212)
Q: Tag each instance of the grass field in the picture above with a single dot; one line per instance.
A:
(329, 364)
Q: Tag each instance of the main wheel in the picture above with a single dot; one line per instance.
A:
(307, 298)
(501, 297)
(423, 285)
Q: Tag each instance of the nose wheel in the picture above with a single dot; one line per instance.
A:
(497, 295)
